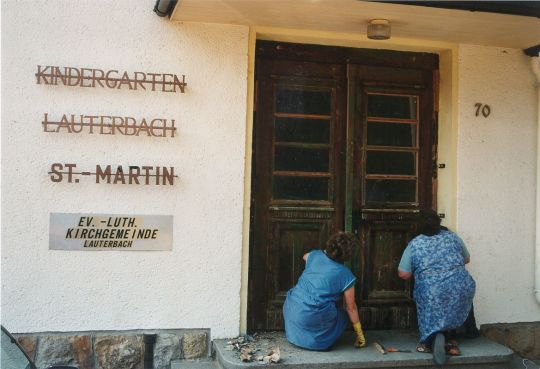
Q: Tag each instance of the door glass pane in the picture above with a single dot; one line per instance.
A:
(303, 102)
(392, 106)
(300, 188)
(391, 134)
(302, 130)
(389, 162)
(300, 159)
(390, 190)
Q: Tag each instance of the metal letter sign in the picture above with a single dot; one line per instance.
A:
(89, 77)
(110, 232)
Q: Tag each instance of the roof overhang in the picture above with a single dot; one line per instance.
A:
(352, 16)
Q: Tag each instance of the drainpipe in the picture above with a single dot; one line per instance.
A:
(535, 65)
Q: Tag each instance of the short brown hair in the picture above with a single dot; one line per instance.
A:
(340, 246)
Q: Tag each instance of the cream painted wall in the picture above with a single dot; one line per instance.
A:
(197, 284)
(496, 180)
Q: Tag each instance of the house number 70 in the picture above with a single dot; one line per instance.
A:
(482, 108)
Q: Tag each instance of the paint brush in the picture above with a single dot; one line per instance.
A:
(379, 347)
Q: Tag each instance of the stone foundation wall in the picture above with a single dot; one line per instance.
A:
(114, 350)
(523, 338)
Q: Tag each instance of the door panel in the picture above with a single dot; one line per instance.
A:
(386, 240)
(297, 186)
(293, 234)
(343, 140)
(391, 317)
(391, 122)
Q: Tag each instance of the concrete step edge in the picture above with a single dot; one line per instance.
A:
(478, 362)
(427, 364)
(204, 363)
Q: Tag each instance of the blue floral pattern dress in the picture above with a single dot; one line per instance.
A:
(312, 318)
(443, 289)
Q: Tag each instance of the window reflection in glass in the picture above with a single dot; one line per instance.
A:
(303, 102)
(302, 130)
(300, 159)
(389, 162)
(300, 188)
(392, 106)
(391, 134)
(11, 355)
(390, 190)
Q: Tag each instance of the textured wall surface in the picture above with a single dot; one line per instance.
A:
(496, 180)
(196, 285)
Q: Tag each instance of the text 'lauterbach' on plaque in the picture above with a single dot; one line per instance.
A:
(110, 232)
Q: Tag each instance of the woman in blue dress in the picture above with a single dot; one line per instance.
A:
(443, 289)
(313, 319)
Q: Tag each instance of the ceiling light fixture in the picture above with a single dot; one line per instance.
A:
(164, 8)
(378, 29)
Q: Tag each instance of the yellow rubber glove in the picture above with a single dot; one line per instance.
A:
(360, 339)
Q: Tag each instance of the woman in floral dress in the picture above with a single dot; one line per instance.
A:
(443, 289)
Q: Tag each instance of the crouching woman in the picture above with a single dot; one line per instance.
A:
(313, 318)
(443, 289)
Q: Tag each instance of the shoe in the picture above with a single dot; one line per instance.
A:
(452, 348)
(439, 351)
(423, 348)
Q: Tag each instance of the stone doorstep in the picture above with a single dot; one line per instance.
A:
(523, 363)
(480, 353)
(523, 338)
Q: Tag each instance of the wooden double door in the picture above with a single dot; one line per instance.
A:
(344, 139)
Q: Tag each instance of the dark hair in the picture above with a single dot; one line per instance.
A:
(340, 246)
(429, 223)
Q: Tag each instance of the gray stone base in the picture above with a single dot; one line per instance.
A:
(523, 338)
(114, 350)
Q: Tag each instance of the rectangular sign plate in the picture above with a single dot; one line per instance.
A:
(76, 231)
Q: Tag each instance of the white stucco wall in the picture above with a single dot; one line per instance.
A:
(197, 284)
(496, 177)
